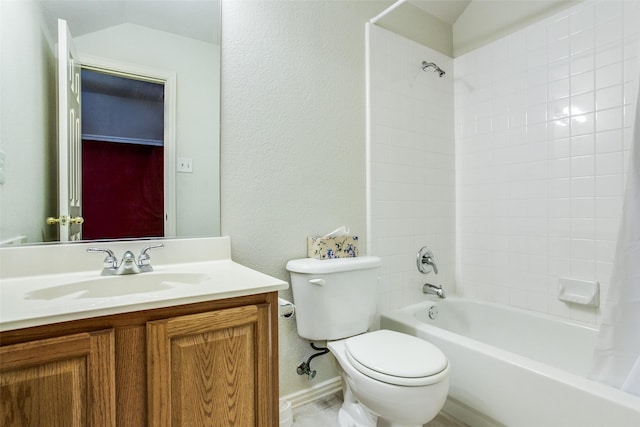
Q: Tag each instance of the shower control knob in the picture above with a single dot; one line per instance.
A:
(426, 261)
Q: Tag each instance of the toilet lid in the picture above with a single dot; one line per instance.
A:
(396, 358)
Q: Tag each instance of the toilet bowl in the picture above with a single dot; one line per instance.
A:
(389, 378)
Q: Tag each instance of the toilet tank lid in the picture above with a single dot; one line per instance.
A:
(335, 265)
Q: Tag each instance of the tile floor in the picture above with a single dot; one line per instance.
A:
(324, 413)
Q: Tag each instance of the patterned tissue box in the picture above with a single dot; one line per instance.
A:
(332, 247)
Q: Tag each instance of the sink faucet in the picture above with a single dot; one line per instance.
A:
(129, 263)
(110, 263)
(428, 288)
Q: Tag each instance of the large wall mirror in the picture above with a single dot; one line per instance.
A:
(160, 52)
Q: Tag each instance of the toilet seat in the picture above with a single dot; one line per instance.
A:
(396, 358)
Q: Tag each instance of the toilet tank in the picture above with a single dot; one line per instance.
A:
(334, 298)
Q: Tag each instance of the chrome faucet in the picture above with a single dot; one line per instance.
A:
(129, 263)
(428, 288)
(110, 263)
(426, 258)
(144, 259)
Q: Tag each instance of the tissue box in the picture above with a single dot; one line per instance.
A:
(332, 247)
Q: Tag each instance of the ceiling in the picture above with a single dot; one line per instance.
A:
(196, 19)
(446, 10)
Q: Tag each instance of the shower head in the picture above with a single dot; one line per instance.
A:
(426, 65)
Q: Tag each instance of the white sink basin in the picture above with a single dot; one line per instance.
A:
(52, 289)
(111, 286)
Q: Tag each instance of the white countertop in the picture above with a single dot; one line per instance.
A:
(41, 299)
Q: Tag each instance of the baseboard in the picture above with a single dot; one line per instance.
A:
(315, 392)
(468, 415)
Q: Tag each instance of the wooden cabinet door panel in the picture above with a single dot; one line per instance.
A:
(66, 381)
(210, 369)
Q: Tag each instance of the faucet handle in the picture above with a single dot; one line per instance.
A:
(426, 261)
(110, 261)
(144, 259)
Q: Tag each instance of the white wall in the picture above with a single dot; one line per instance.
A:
(293, 132)
(543, 127)
(27, 122)
(484, 21)
(293, 155)
(415, 24)
(197, 66)
(411, 167)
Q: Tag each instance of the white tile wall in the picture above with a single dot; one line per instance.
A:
(543, 125)
(412, 166)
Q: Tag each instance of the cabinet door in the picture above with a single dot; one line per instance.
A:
(66, 381)
(211, 369)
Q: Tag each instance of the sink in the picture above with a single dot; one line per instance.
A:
(61, 283)
(113, 286)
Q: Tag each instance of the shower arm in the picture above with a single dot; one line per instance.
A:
(426, 65)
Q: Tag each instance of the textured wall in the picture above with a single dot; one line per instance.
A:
(293, 138)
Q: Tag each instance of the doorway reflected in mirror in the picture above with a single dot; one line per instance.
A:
(123, 131)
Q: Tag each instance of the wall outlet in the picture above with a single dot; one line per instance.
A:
(185, 164)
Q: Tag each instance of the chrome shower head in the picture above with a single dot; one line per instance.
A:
(426, 65)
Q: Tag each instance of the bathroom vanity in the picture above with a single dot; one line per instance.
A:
(203, 352)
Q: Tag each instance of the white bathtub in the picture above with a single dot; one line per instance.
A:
(516, 368)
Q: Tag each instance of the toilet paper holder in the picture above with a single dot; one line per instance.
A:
(286, 308)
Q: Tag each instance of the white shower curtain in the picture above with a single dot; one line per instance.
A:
(617, 354)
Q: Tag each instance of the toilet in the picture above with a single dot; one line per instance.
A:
(390, 379)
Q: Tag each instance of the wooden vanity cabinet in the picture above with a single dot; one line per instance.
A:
(64, 381)
(205, 364)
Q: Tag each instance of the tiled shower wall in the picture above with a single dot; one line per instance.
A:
(543, 128)
(411, 166)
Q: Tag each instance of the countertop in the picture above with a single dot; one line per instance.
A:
(45, 298)
(39, 300)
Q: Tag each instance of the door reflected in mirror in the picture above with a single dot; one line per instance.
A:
(122, 129)
(111, 32)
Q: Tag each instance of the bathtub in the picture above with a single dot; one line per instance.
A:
(514, 367)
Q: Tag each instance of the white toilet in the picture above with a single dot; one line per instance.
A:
(390, 379)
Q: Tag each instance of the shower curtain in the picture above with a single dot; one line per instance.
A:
(617, 354)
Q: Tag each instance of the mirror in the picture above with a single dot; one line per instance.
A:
(181, 37)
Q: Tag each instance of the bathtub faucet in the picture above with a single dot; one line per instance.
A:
(428, 288)
(426, 261)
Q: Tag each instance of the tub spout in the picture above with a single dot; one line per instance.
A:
(428, 288)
